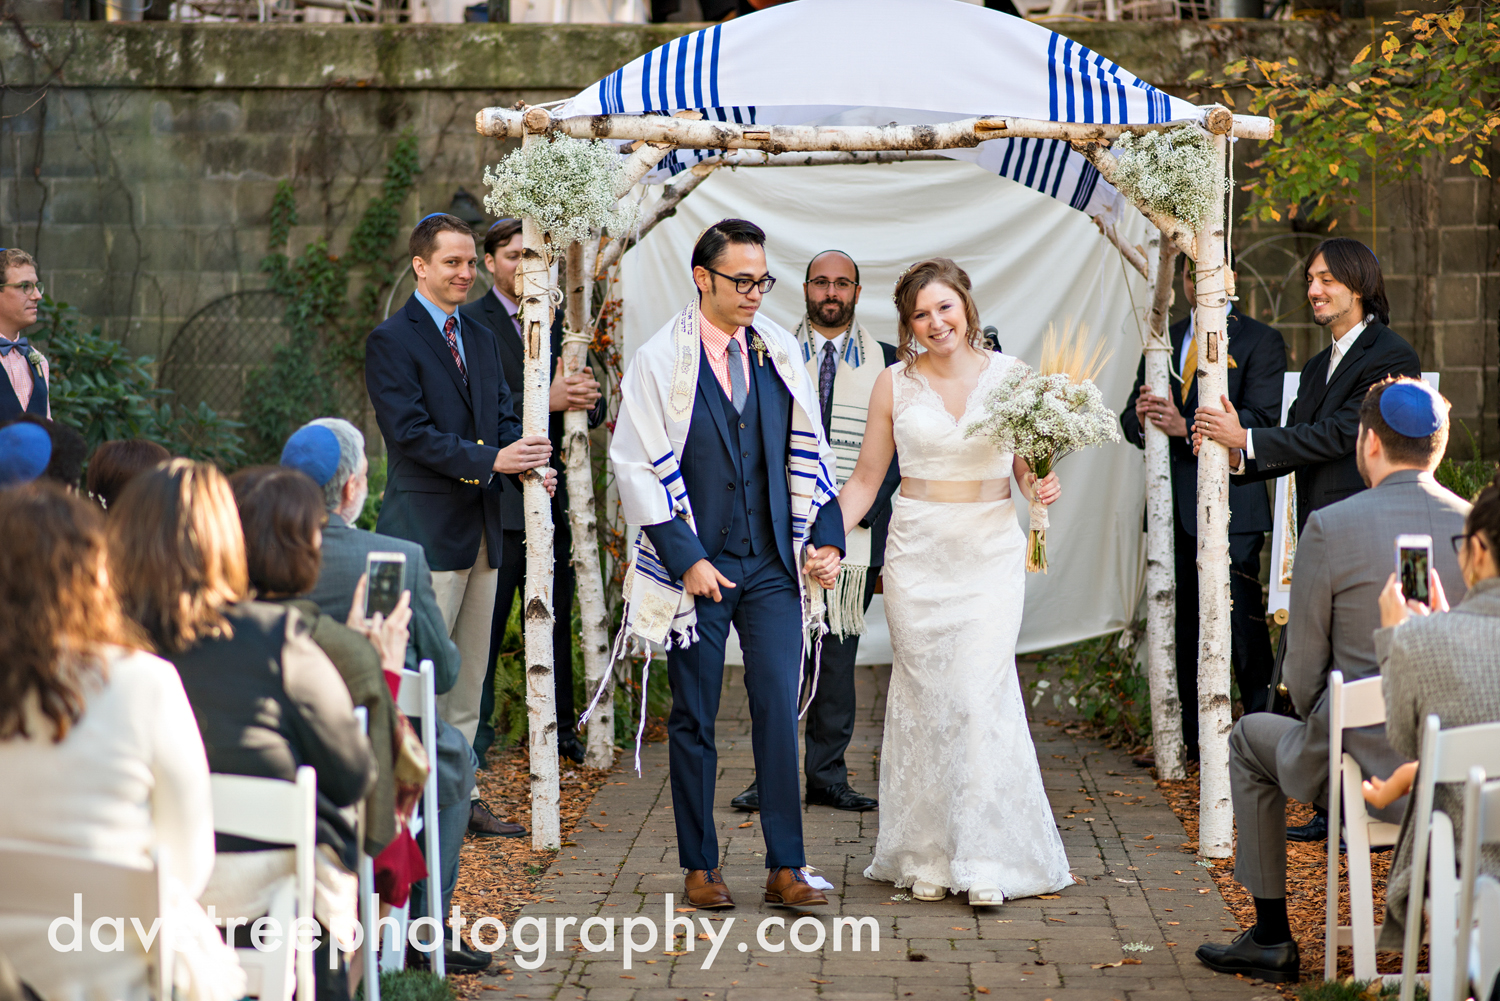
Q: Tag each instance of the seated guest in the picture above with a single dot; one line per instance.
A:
(332, 452)
(99, 754)
(266, 698)
(116, 463)
(25, 450)
(69, 449)
(1448, 665)
(1344, 556)
(281, 511)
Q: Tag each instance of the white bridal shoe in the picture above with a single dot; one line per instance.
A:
(985, 896)
(928, 891)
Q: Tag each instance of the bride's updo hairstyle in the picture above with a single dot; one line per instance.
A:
(938, 271)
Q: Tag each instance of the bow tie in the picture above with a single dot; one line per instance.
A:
(6, 346)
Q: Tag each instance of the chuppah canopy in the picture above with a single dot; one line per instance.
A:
(905, 62)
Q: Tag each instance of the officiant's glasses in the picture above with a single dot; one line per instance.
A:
(842, 284)
(744, 285)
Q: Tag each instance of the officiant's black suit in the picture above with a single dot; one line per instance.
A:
(734, 469)
(491, 313)
(1259, 353)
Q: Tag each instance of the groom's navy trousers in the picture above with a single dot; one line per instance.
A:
(734, 469)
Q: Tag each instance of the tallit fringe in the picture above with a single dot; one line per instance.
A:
(619, 658)
(846, 603)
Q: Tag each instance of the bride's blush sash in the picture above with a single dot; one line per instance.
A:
(955, 491)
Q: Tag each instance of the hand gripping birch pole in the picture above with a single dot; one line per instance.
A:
(1161, 583)
(581, 516)
(1215, 814)
(541, 702)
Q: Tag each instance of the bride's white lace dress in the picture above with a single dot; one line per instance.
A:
(961, 796)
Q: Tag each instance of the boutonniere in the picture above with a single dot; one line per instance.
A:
(34, 358)
(759, 347)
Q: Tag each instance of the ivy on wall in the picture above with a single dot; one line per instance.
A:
(321, 367)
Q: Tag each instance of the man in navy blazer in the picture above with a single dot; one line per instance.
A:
(1259, 362)
(445, 412)
(740, 567)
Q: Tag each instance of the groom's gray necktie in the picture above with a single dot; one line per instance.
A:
(737, 390)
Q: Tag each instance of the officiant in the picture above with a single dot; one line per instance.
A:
(843, 360)
(1257, 362)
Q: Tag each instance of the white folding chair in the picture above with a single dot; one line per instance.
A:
(1350, 705)
(279, 812)
(1484, 962)
(1446, 756)
(369, 901)
(39, 880)
(417, 698)
(1480, 959)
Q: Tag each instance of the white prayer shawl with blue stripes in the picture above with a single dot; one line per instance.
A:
(656, 412)
(777, 68)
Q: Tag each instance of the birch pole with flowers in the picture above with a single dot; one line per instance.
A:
(1215, 813)
(1161, 575)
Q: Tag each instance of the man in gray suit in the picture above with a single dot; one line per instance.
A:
(345, 549)
(1345, 554)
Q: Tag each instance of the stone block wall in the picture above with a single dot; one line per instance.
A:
(138, 161)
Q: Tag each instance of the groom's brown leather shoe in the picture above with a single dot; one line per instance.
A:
(789, 887)
(706, 889)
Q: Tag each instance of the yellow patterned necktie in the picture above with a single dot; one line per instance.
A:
(1190, 368)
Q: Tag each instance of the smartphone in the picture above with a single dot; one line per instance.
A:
(385, 573)
(1413, 566)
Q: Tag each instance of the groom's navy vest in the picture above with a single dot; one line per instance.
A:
(751, 532)
(10, 403)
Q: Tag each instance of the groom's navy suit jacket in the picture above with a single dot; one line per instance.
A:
(711, 472)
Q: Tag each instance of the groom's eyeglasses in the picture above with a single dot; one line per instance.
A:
(744, 285)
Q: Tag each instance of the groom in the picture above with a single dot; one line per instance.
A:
(720, 458)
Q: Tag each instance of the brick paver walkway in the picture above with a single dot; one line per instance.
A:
(1138, 887)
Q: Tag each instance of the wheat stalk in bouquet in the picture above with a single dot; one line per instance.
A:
(1044, 415)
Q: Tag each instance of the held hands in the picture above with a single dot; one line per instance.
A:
(579, 391)
(387, 635)
(1160, 412)
(1395, 607)
(1220, 426)
(823, 565)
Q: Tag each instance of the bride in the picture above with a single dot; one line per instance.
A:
(962, 805)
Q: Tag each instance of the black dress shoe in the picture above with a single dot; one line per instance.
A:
(840, 797)
(749, 800)
(454, 960)
(1277, 964)
(569, 747)
(1315, 829)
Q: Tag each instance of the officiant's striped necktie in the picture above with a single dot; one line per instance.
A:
(450, 333)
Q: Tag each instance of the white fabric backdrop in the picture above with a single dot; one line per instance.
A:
(1032, 259)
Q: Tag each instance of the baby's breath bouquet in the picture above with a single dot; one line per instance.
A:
(1042, 416)
(566, 185)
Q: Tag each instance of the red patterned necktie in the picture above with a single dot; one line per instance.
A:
(450, 333)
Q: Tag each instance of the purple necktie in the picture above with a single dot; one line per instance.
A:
(450, 333)
(826, 371)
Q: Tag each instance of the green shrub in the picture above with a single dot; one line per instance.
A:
(1470, 476)
(371, 513)
(104, 392)
(1349, 989)
(1101, 680)
(411, 985)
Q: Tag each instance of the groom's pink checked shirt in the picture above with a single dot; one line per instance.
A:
(716, 346)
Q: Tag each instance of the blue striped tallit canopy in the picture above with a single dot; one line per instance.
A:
(881, 62)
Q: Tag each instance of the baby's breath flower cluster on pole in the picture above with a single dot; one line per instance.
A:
(1043, 418)
(1173, 172)
(567, 185)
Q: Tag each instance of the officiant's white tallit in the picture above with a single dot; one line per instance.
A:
(860, 365)
(656, 410)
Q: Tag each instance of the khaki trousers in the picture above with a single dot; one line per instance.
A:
(467, 601)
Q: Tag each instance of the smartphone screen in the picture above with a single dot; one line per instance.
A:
(383, 590)
(1414, 573)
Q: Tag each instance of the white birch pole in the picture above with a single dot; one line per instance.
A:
(1161, 577)
(541, 702)
(1215, 815)
(582, 519)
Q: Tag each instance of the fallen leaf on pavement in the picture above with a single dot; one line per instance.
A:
(748, 823)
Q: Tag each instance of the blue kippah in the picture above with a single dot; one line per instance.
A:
(25, 450)
(429, 216)
(1411, 409)
(313, 450)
